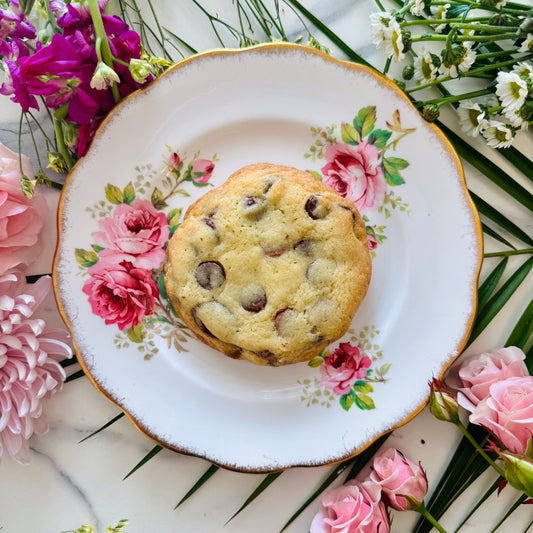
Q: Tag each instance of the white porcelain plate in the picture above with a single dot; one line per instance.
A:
(164, 147)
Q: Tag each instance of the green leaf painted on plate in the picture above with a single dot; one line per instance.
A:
(136, 333)
(362, 386)
(316, 174)
(379, 138)
(349, 134)
(174, 216)
(157, 199)
(85, 258)
(97, 248)
(347, 400)
(314, 363)
(113, 194)
(363, 401)
(129, 193)
(365, 120)
(161, 287)
(391, 167)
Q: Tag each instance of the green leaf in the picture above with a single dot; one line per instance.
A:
(349, 134)
(152, 453)
(379, 138)
(522, 332)
(129, 193)
(383, 369)
(391, 165)
(494, 304)
(97, 248)
(521, 499)
(363, 401)
(205, 476)
(269, 479)
(485, 209)
(365, 120)
(489, 231)
(157, 199)
(396, 163)
(85, 258)
(362, 386)
(173, 216)
(487, 287)
(106, 425)
(519, 160)
(136, 333)
(113, 194)
(316, 174)
(314, 363)
(347, 400)
(75, 375)
(161, 287)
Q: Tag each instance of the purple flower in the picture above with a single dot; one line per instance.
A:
(13, 24)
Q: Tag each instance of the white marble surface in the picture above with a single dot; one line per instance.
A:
(68, 484)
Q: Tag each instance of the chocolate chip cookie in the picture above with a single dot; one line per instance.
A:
(269, 267)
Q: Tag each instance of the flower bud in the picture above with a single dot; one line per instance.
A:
(140, 70)
(518, 470)
(431, 112)
(527, 25)
(103, 77)
(453, 55)
(442, 403)
(71, 134)
(526, 111)
(174, 161)
(408, 72)
(407, 40)
(56, 162)
(400, 84)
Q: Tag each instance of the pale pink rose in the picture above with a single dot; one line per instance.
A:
(477, 373)
(372, 241)
(202, 170)
(507, 412)
(120, 293)
(355, 173)
(354, 507)
(134, 233)
(29, 368)
(403, 482)
(173, 160)
(343, 367)
(21, 218)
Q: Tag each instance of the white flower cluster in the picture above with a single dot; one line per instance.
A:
(387, 35)
(514, 111)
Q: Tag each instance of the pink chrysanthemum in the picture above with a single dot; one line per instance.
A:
(29, 371)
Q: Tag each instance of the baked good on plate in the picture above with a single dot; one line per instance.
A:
(269, 267)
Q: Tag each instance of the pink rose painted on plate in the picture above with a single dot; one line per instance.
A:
(135, 233)
(355, 173)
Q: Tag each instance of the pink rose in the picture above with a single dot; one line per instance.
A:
(343, 367)
(354, 507)
(355, 173)
(507, 412)
(21, 218)
(120, 293)
(173, 160)
(403, 482)
(477, 373)
(134, 233)
(202, 169)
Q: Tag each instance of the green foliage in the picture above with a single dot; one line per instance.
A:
(85, 258)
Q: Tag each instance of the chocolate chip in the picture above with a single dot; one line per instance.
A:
(304, 247)
(210, 275)
(268, 356)
(315, 207)
(201, 326)
(275, 252)
(253, 206)
(268, 186)
(209, 222)
(283, 319)
(253, 299)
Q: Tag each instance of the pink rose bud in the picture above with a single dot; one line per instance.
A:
(507, 412)
(354, 507)
(442, 403)
(173, 160)
(474, 376)
(403, 482)
(202, 169)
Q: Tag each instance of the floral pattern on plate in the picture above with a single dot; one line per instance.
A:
(358, 169)
(124, 266)
(347, 373)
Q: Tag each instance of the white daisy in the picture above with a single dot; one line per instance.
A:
(524, 69)
(387, 35)
(511, 90)
(527, 45)
(516, 120)
(439, 12)
(425, 67)
(416, 7)
(472, 118)
(498, 134)
(453, 69)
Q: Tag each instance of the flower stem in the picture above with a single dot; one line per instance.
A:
(101, 38)
(475, 444)
(429, 517)
(63, 150)
(510, 252)
(450, 99)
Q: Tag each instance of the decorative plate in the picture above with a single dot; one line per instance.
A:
(164, 147)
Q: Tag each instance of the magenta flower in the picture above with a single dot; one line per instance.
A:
(403, 482)
(354, 507)
(120, 293)
(29, 371)
(202, 170)
(134, 233)
(343, 367)
(13, 24)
